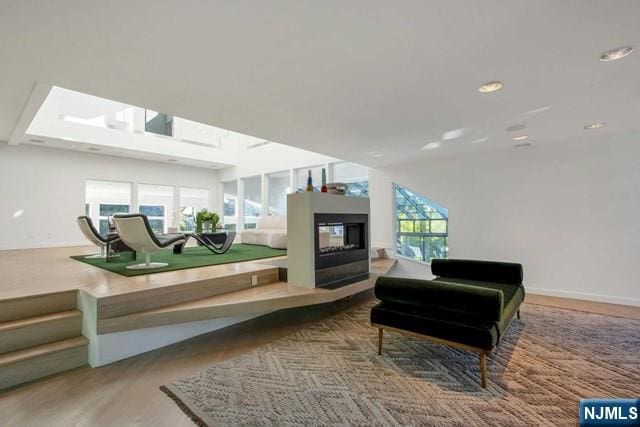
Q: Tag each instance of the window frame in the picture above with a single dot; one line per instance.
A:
(421, 216)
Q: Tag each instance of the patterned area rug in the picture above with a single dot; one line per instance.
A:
(330, 374)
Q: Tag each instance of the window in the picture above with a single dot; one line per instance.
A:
(278, 189)
(156, 216)
(103, 199)
(421, 226)
(156, 202)
(230, 205)
(316, 175)
(353, 174)
(192, 201)
(252, 201)
(159, 123)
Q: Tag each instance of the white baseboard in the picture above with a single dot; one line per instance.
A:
(387, 245)
(584, 296)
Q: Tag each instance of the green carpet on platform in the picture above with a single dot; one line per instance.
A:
(191, 257)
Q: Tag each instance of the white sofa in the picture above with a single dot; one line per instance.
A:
(270, 231)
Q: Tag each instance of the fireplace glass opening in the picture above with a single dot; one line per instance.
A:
(340, 237)
(341, 249)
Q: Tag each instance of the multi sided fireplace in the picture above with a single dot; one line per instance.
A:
(341, 247)
(327, 239)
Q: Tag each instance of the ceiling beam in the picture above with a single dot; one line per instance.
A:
(38, 94)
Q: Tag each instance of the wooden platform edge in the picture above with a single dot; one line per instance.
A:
(181, 313)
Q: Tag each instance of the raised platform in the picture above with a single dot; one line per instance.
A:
(123, 316)
(31, 272)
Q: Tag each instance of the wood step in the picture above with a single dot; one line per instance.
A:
(32, 363)
(32, 331)
(36, 305)
(232, 277)
(266, 298)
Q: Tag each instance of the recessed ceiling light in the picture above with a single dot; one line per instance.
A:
(39, 141)
(520, 137)
(490, 87)
(614, 54)
(515, 128)
(94, 149)
(453, 134)
(598, 125)
(480, 140)
(172, 160)
(432, 146)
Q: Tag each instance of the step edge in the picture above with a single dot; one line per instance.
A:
(12, 357)
(40, 319)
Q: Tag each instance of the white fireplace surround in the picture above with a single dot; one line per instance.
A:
(301, 208)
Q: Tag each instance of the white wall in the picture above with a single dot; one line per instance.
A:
(273, 158)
(42, 190)
(570, 212)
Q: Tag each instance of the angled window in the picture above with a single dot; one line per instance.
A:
(421, 226)
(354, 175)
(159, 123)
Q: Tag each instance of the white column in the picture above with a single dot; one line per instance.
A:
(264, 195)
(240, 210)
(138, 120)
(293, 185)
(330, 172)
(134, 197)
(175, 221)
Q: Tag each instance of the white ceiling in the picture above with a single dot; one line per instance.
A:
(340, 77)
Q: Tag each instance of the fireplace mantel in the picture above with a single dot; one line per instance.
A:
(302, 243)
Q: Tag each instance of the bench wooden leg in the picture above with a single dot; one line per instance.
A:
(483, 369)
(518, 314)
(380, 333)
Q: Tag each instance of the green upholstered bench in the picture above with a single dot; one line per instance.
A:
(469, 305)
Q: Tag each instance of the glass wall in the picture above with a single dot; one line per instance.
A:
(421, 226)
(103, 199)
(353, 174)
(252, 200)
(156, 202)
(278, 188)
(230, 205)
(159, 123)
(303, 173)
(192, 201)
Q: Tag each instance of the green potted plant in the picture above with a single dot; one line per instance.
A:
(207, 220)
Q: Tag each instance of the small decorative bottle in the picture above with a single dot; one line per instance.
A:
(309, 182)
(324, 181)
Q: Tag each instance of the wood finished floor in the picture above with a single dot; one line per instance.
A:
(27, 272)
(126, 393)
